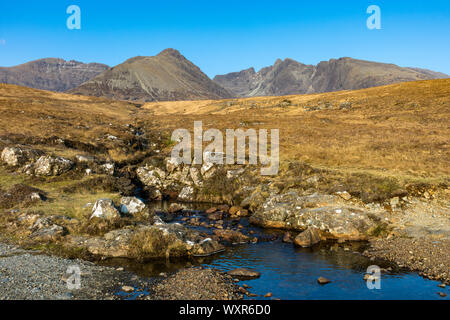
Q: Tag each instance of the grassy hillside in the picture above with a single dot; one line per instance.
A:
(400, 129)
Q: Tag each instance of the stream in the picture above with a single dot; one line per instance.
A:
(291, 273)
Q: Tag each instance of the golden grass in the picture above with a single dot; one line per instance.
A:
(397, 130)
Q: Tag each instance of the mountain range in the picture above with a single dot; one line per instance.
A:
(51, 74)
(288, 76)
(169, 76)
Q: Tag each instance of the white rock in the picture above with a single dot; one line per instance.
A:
(186, 194)
(104, 208)
(50, 166)
(131, 205)
(108, 168)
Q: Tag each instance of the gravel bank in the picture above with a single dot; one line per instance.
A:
(195, 284)
(31, 276)
(429, 257)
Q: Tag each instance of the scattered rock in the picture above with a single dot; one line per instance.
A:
(132, 205)
(232, 236)
(18, 156)
(268, 295)
(322, 280)
(244, 273)
(151, 176)
(175, 208)
(344, 195)
(127, 289)
(442, 294)
(287, 237)
(215, 216)
(51, 166)
(108, 168)
(186, 194)
(105, 209)
(308, 238)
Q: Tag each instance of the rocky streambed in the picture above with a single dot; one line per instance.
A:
(293, 228)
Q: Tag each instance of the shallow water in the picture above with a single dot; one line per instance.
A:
(291, 273)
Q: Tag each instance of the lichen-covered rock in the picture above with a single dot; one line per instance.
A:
(105, 209)
(186, 194)
(327, 213)
(51, 166)
(132, 205)
(196, 176)
(108, 168)
(151, 176)
(18, 156)
(172, 165)
(153, 242)
(44, 229)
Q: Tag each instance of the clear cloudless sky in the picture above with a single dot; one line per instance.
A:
(226, 36)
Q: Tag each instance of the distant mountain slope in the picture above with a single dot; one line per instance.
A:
(165, 77)
(51, 74)
(291, 77)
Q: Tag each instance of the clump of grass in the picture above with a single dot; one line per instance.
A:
(153, 244)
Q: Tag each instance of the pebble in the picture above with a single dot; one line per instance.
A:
(322, 280)
(127, 289)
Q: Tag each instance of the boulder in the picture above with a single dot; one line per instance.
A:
(196, 176)
(18, 156)
(105, 209)
(108, 168)
(232, 236)
(216, 215)
(151, 176)
(175, 208)
(186, 194)
(238, 212)
(51, 166)
(153, 242)
(324, 212)
(131, 205)
(44, 229)
(287, 237)
(172, 165)
(308, 238)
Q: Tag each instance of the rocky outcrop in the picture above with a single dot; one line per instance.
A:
(45, 229)
(51, 166)
(19, 156)
(153, 242)
(332, 218)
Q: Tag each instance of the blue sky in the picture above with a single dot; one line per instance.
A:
(226, 36)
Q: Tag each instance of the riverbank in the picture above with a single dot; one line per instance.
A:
(30, 275)
(429, 257)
